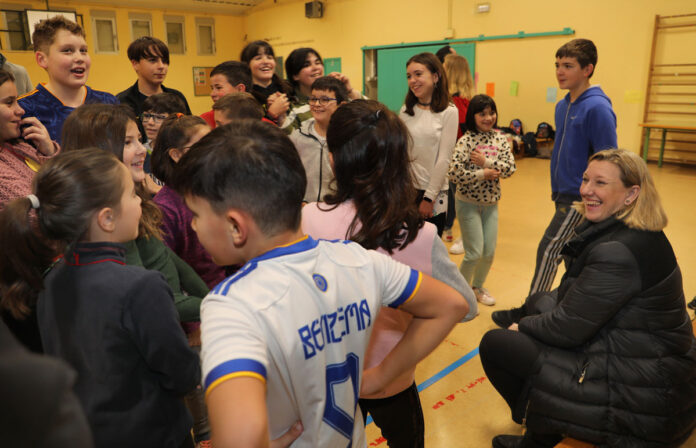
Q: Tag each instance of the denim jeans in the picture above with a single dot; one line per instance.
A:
(479, 227)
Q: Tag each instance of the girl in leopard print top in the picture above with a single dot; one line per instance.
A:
(482, 156)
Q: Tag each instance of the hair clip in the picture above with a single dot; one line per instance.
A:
(374, 118)
(34, 201)
(179, 115)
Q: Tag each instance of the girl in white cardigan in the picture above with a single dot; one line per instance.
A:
(432, 122)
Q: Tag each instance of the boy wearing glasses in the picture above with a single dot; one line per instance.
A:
(310, 139)
(156, 109)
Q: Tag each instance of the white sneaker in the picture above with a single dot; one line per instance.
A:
(457, 247)
(484, 297)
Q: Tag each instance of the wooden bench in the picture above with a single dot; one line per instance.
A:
(690, 128)
(573, 443)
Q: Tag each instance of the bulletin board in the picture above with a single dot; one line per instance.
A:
(201, 81)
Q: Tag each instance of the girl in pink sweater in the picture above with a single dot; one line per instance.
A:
(24, 143)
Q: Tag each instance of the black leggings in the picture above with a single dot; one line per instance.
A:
(399, 417)
(509, 359)
(438, 220)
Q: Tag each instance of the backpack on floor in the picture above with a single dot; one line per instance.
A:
(516, 126)
(530, 144)
(545, 130)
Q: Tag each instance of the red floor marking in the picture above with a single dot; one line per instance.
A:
(454, 343)
(453, 396)
(380, 440)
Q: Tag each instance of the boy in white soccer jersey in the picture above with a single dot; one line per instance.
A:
(284, 338)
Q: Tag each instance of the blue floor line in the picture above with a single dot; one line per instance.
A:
(440, 375)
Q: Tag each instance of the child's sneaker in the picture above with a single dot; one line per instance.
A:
(204, 444)
(692, 304)
(457, 248)
(447, 235)
(484, 297)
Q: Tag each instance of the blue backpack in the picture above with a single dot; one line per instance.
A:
(545, 130)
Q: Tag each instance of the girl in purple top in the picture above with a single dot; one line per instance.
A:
(177, 134)
(175, 137)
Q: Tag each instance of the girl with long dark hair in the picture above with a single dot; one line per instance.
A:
(268, 88)
(432, 123)
(63, 252)
(375, 205)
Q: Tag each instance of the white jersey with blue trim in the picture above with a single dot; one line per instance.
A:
(299, 318)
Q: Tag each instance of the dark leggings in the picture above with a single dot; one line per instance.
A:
(438, 220)
(451, 212)
(188, 441)
(509, 359)
(399, 417)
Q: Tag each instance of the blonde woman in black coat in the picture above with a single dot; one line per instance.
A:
(610, 358)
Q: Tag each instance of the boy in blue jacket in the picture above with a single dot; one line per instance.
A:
(60, 49)
(585, 124)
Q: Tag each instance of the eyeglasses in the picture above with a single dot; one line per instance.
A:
(322, 100)
(159, 118)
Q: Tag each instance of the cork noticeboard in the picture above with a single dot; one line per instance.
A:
(201, 81)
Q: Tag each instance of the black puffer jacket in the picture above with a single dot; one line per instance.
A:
(618, 352)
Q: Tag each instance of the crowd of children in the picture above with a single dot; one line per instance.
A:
(308, 218)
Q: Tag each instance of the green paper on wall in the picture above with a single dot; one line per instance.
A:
(514, 88)
(490, 89)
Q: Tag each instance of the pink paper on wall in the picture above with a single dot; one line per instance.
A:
(476, 78)
(490, 89)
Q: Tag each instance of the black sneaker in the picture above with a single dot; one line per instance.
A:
(528, 440)
(505, 318)
(692, 304)
(506, 441)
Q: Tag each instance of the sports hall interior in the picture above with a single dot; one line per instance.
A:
(461, 407)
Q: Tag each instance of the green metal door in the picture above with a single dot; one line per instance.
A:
(332, 65)
(391, 70)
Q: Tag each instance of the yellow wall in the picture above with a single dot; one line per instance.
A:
(113, 72)
(621, 29)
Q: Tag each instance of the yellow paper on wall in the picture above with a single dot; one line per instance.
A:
(633, 96)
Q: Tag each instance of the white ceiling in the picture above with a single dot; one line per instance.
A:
(232, 7)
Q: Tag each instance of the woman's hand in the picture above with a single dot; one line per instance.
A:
(352, 93)
(36, 133)
(426, 209)
(286, 439)
(477, 157)
(490, 174)
(278, 104)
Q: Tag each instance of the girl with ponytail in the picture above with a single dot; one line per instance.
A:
(116, 325)
(375, 205)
